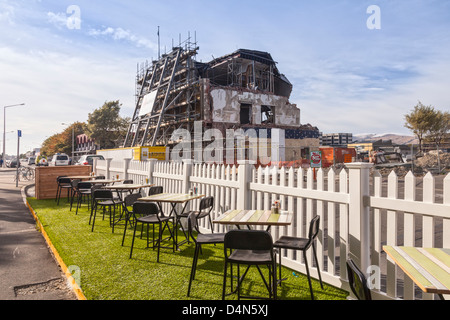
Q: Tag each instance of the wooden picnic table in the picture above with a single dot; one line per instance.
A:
(249, 218)
(429, 268)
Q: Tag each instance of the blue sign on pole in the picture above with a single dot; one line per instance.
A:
(19, 133)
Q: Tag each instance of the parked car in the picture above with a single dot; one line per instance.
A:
(89, 159)
(12, 163)
(60, 159)
(31, 161)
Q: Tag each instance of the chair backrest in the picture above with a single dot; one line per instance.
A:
(155, 190)
(357, 281)
(206, 203)
(248, 240)
(314, 227)
(75, 183)
(103, 194)
(63, 180)
(84, 185)
(192, 225)
(145, 208)
(131, 199)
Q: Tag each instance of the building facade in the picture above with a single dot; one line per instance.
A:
(243, 90)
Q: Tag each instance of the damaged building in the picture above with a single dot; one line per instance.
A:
(241, 90)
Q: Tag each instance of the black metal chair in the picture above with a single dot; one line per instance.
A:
(104, 198)
(83, 190)
(204, 210)
(148, 213)
(127, 203)
(251, 248)
(357, 281)
(74, 183)
(156, 190)
(302, 244)
(63, 183)
(58, 186)
(121, 194)
(199, 240)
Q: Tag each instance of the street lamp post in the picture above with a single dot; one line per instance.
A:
(73, 139)
(4, 130)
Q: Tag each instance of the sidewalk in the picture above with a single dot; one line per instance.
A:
(28, 270)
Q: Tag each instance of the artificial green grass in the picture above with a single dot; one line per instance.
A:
(107, 272)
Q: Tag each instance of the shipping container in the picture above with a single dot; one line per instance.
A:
(335, 155)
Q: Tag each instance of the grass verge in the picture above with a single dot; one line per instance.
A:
(107, 272)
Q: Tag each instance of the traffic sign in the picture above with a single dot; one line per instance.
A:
(316, 159)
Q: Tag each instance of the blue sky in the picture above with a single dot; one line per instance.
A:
(346, 77)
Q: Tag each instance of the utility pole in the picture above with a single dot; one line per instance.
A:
(19, 134)
(4, 130)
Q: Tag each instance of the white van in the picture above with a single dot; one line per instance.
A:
(60, 159)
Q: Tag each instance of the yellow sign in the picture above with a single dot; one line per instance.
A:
(146, 153)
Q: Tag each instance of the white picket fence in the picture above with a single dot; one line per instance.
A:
(358, 214)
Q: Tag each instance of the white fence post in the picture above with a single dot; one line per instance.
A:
(359, 214)
(244, 179)
(108, 165)
(187, 169)
(126, 166)
(151, 169)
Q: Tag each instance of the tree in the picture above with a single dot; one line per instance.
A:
(440, 128)
(62, 142)
(420, 121)
(106, 126)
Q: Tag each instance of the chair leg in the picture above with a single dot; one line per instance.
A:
(279, 264)
(59, 196)
(132, 241)
(309, 277)
(93, 220)
(317, 265)
(94, 206)
(274, 283)
(159, 239)
(224, 281)
(114, 217)
(125, 229)
(193, 269)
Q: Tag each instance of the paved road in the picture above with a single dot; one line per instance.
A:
(28, 270)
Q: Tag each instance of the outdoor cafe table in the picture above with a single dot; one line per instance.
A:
(255, 218)
(81, 177)
(174, 199)
(128, 187)
(104, 181)
(429, 268)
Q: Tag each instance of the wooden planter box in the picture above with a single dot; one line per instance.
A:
(46, 185)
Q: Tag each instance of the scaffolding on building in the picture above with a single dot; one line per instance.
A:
(167, 97)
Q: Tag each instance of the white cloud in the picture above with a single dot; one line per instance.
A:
(7, 13)
(57, 19)
(119, 34)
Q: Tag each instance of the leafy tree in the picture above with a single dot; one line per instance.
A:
(420, 121)
(52, 145)
(106, 126)
(440, 128)
(62, 142)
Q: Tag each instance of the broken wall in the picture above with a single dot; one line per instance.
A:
(230, 105)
